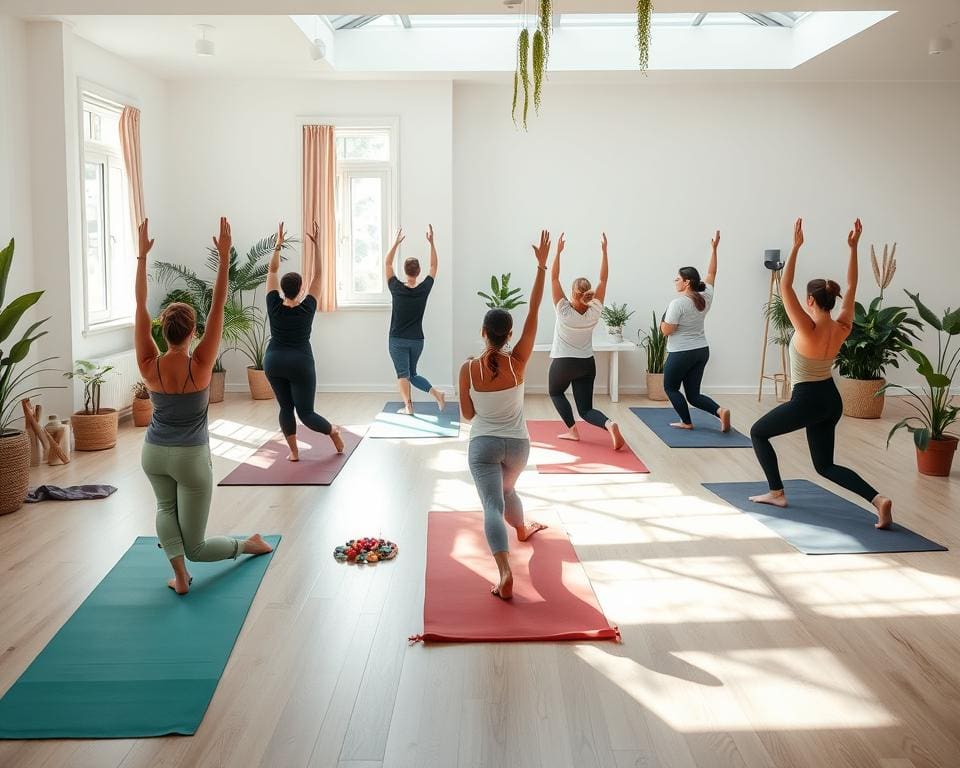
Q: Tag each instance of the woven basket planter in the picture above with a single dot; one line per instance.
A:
(655, 390)
(260, 388)
(217, 385)
(142, 410)
(14, 471)
(95, 432)
(858, 397)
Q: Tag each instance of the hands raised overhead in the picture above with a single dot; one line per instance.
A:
(281, 237)
(854, 236)
(430, 233)
(603, 243)
(225, 241)
(145, 243)
(561, 244)
(313, 236)
(715, 242)
(542, 251)
(798, 234)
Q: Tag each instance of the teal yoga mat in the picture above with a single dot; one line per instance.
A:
(136, 659)
(705, 434)
(427, 421)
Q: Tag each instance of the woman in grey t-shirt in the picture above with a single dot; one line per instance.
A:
(687, 344)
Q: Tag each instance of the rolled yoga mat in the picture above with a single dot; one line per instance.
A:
(818, 522)
(705, 433)
(319, 463)
(136, 659)
(552, 597)
(592, 454)
(427, 421)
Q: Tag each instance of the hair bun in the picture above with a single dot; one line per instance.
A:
(702, 287)
(833, 288)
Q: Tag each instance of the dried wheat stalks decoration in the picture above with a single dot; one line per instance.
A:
(883, 272)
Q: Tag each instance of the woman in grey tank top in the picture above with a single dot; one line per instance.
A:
(176, 448)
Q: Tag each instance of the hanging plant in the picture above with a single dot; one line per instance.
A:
(523, 74)
(539, 59)
(543, 26)
(644, 13)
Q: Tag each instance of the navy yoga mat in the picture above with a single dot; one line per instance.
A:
(705, 434)
(136, 659)
(427, 421)
(818, 522)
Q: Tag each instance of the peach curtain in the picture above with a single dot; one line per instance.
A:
(319, 179)
(130, 144)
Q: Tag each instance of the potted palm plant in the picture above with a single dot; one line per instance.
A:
(879, 337)
(501, 295)
(935, 409)
(615, 316)
(142, 407)
(252, 343)
(779, 320)
(655, 344)
(94, 428)
(14, 386)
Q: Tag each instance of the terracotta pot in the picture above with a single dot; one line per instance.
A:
(142, 411)
(859, 399)
(655, 390)
(260, 388)
(217, 382)
(14, 471)
(95, 432)
(938, 458)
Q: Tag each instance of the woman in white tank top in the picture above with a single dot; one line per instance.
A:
(491, 397)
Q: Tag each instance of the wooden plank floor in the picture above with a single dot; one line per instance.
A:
(738, 651)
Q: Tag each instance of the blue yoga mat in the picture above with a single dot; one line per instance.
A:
(818, 522)
(136, 659)
(705, 434)
(427, 421)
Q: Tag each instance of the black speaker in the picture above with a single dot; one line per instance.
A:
(771, 259)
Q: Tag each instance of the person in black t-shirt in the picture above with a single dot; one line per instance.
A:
(406, 321)
(288, 362)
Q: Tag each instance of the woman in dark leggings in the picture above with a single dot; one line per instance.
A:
(572, 361)
(815, 403)
(289, 360)
(687, 348)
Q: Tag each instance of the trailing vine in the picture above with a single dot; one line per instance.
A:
(644, 12)
(539, 58)
(546, 18)
(516, 83)
(523, 50)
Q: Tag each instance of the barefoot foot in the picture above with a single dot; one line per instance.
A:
(681, 425)
(337, 439)
(293, 456)
(615, 435)
(407, 410)
(570, 434)
(775, 498)
(528, 530)
(180, 585)
(440, 397)
(256, 545)
(503, 590)
(884, 512)
(724, 415)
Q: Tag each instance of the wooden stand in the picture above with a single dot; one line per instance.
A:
(51, 447)
(781, 381)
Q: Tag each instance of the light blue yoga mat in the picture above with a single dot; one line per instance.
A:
(136, 659)
(705, 433)
(818, 522)
(427, 421)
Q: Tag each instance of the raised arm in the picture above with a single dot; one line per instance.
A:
(524, 348)
(711, 277)
(273, 281)
(433, 252)
(392, 255)
(798, 316)
(206, 352)
(555, 288)
(317, 278)
(847, 309)
(145, 346)
(601, 292)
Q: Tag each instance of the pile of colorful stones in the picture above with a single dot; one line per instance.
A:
(365, 551)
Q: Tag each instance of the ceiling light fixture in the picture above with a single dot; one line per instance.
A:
(204, 47)
(318, 49)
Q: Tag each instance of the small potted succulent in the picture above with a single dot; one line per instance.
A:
(655, 344)
(615, 316)
(94, 428)
(142, 407)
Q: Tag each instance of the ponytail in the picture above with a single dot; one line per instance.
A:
(692, 275)
(497, 325)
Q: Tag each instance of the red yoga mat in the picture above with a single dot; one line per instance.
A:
(319, 463)
(593, 454)
(552, 597)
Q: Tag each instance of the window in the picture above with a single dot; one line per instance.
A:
(365, 211)
(107, 237)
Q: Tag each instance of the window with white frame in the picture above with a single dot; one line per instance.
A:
(366, 209)
(107, 237)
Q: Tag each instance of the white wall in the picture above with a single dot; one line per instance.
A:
(236, 153)
(660, 167)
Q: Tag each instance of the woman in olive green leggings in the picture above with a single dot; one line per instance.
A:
(176, 448)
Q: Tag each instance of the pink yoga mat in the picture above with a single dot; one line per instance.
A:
(592, 455)
(552, 597)
(319, 463)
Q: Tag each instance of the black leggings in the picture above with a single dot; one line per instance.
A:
(580, 372)
(292, 375)
(817, 406)
(686, 368)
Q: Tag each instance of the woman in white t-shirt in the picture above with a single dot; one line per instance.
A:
(572, 362)
(687, 344)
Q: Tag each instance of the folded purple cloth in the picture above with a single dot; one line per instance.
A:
(70, 493)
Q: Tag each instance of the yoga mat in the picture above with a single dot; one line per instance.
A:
(553, 599)
(818, 522)
(427, 421)
(705, 434)
(319, 463)
(593, 454)
(136, 659)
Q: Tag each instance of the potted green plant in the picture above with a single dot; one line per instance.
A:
(14, 386)
(779, 320)
(935, 409)
(655, 344)
(501, 295)
(94, 428)
(142, 408)
(252, 343)
(615, 316)
(880, 335)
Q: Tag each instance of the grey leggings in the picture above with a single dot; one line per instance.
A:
(496, 463)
